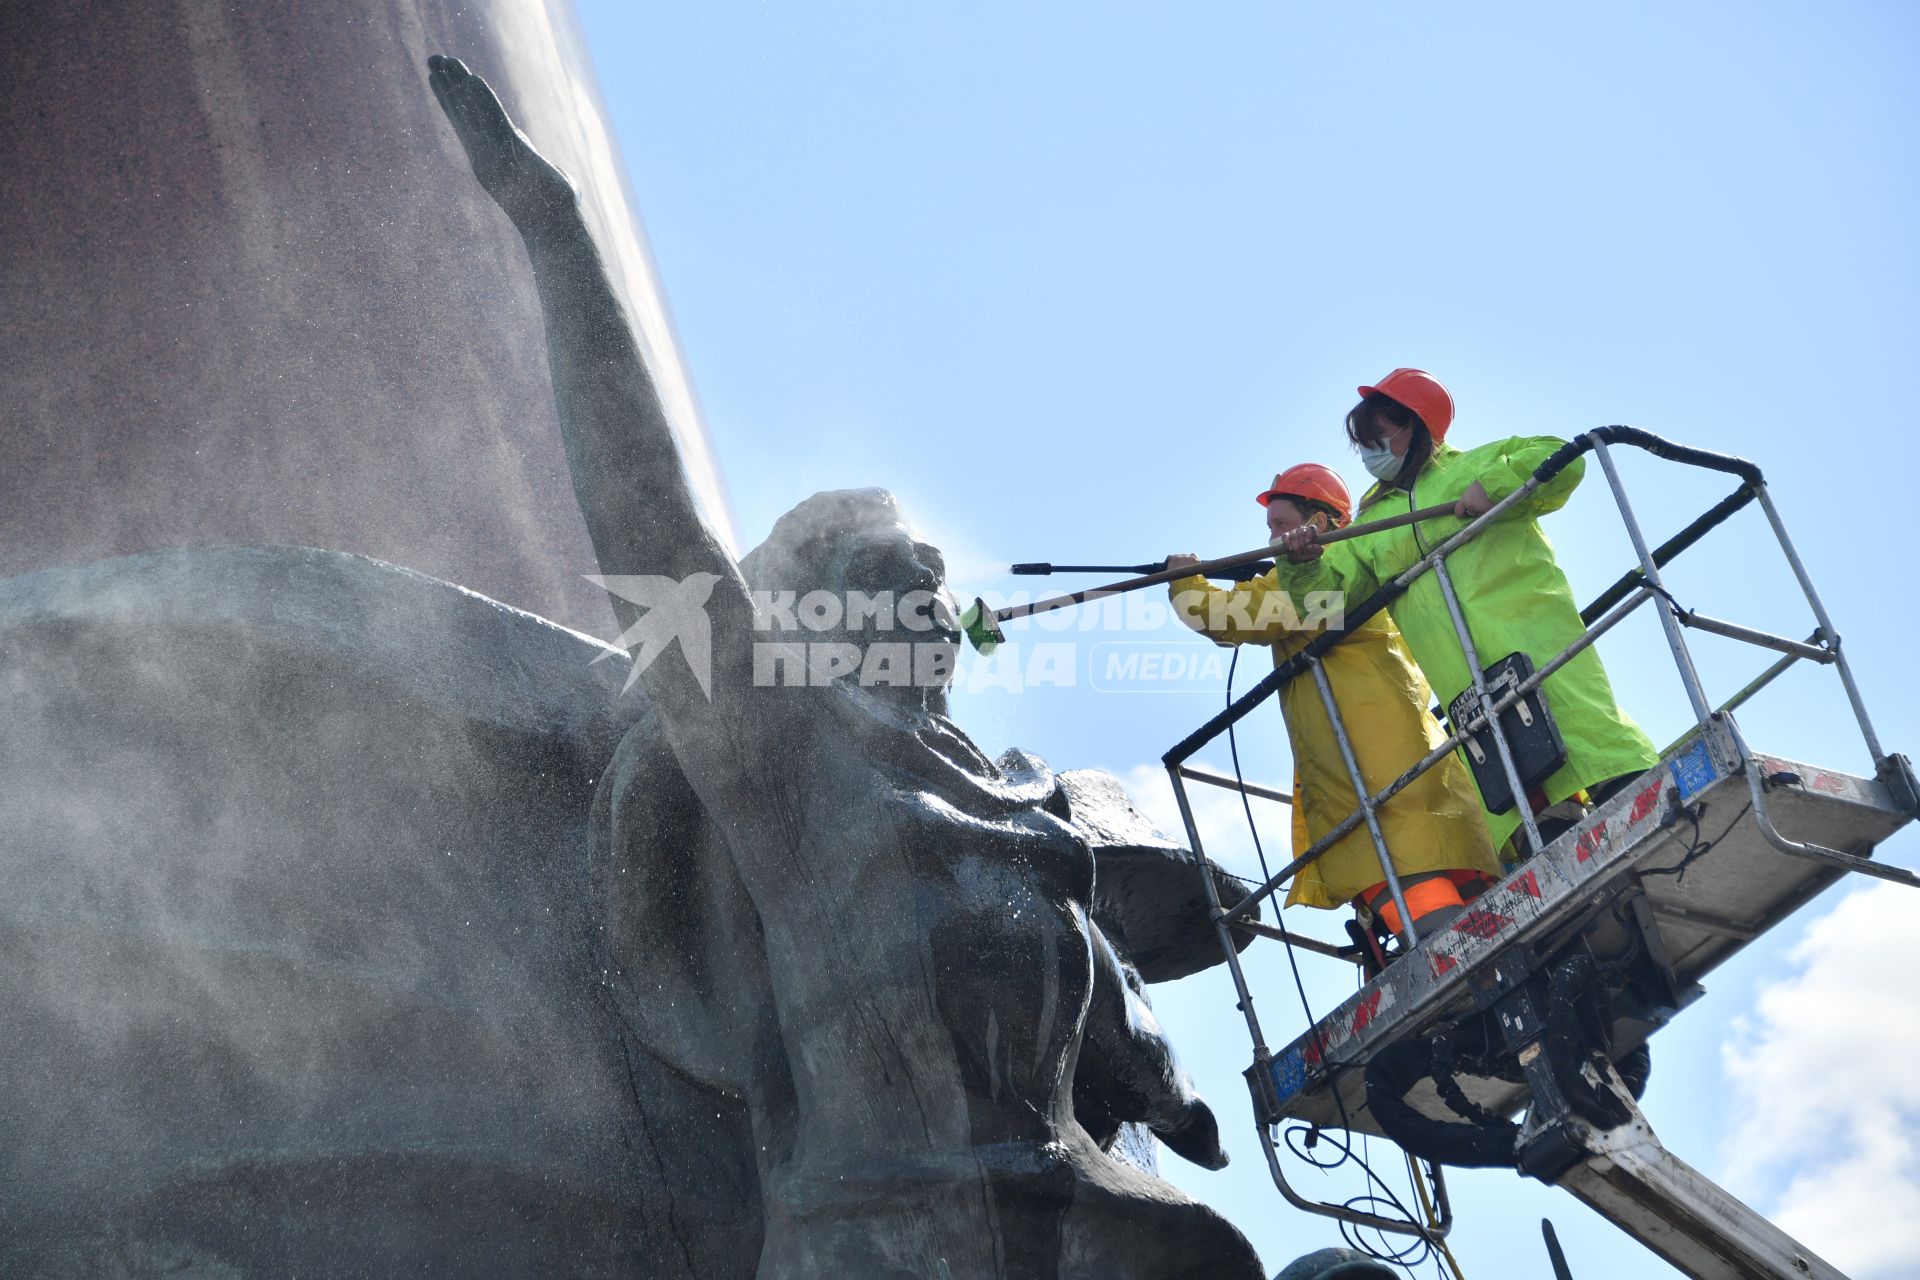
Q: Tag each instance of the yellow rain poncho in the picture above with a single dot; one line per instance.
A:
(1433, 825)
(1511, 590)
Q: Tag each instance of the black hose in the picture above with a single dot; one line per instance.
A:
(1633, 579)
(1392, 1073)
(1569, 1042)
(1575, 1028)
(1634, 1066)
(1654, 445)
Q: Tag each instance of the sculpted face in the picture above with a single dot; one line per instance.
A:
(848, 541)
(892, 558)
(888, 563)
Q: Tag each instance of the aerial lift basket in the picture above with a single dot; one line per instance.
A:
(1542, 995)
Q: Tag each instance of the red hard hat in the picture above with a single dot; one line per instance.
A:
(1313, 481)
(1421, 392)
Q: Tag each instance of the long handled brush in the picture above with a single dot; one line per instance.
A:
(982, 625)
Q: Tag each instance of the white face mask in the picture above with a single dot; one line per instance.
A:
(1381, 462)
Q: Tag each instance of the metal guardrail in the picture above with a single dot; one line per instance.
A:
(1622, 598)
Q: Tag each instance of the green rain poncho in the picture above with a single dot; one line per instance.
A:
(1512, 592)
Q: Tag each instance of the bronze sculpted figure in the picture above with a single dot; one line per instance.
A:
(823, 898)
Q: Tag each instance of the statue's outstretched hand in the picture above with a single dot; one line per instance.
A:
(518, 178)
(1127, 1068)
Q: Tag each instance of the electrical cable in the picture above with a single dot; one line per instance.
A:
(1418, 1250)
(1233, 747)
(1699, 848)
(1420, 1247)
(1433, 1219)
(1420, 1244)
(1253, 829)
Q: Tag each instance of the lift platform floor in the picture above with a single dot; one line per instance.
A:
(1740, 887)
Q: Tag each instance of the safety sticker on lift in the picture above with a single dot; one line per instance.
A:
(1289, 1074)
(1693, 769)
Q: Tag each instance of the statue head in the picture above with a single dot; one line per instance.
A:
(853, 571)
(1336, 1264)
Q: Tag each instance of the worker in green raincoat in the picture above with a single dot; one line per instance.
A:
(1511, 591)
(1435, 837)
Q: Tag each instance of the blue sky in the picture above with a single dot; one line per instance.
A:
(1074, 280)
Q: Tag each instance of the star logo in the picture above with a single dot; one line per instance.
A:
(674, 609)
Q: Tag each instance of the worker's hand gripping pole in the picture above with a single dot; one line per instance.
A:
(982, 625)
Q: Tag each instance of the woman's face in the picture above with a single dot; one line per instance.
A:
(1381, 432)
(1399, 439)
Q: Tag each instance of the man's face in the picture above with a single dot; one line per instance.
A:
(1283, 515)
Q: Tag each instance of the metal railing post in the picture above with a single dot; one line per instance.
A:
(1447, 747)
(1756, 795)
(1677, 642)
(1485, 696)
(1409, 937)
(1826, 626)
(1260, 1050)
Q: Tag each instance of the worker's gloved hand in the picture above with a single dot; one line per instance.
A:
(1474, 502)
(1182, 560)
(1301, 545)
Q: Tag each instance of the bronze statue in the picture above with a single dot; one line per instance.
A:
(824, 899)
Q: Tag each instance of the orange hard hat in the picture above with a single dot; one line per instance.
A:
(1421, 392)
(1312, 481)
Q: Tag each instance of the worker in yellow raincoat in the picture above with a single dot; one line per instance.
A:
(1510, 589)
(1434, 831)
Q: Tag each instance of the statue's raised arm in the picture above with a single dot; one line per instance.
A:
(627, 472)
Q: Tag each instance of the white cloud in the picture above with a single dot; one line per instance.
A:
(1826, 1077)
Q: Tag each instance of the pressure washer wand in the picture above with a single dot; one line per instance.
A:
(1238, 573)
(982, 625)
